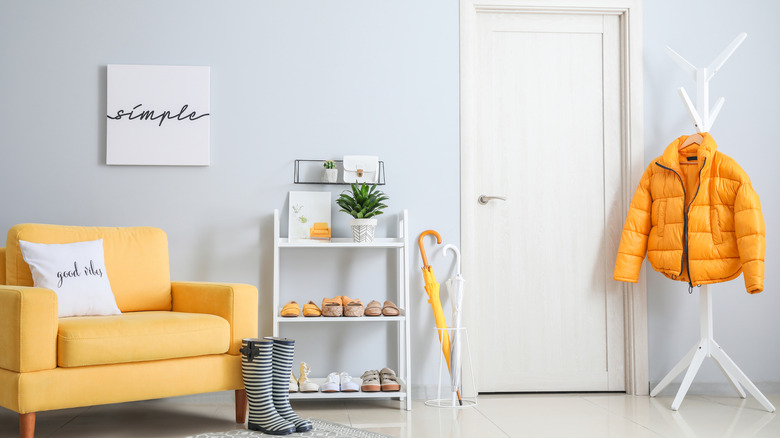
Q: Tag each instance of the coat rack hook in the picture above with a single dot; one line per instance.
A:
(701, 114)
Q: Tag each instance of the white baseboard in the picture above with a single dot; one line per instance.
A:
(429, 392)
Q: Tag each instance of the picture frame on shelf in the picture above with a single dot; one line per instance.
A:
(306, 210)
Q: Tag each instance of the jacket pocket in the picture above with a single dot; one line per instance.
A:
(715, 226)
(661, 217)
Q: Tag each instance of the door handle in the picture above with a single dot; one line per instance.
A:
(484, 199)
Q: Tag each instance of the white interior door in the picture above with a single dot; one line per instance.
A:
(542, 126)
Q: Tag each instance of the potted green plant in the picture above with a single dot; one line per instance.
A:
(329, 174)
(364, 203)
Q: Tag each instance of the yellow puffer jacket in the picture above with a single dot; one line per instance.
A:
(699, 223)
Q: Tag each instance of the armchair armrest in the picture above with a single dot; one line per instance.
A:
(237, 303)
(28, 328)
(2, 265)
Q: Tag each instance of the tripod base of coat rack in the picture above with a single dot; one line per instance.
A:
(707, 347)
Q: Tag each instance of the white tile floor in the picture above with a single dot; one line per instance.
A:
(525, 415)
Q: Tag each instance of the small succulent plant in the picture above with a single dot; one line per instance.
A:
(329, 164)
(364, 202)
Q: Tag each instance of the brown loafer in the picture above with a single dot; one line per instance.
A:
(373, 309)
(390, 309)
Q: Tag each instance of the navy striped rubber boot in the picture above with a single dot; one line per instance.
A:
(257, 368)
(283, 360)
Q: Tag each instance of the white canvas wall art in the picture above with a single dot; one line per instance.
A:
(306, 209)
(158, 115)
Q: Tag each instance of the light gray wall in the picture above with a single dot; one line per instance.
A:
(290, 79)
(745, 326)
(306, 79)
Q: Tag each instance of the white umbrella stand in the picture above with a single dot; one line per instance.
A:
(456, 397)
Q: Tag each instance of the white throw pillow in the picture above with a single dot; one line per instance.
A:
(76, 272)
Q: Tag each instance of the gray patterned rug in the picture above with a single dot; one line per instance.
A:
(322, 428)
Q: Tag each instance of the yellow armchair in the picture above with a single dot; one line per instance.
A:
(172, 338)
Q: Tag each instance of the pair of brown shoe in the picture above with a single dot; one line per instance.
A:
(385, 380)
(388, 309)
(342, 306)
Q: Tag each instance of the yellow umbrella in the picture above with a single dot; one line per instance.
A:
(432, 287)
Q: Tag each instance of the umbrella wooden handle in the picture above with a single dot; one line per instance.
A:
(422, 247)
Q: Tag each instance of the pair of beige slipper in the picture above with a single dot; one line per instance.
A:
(385, 380)
(387, 309)
(342, 306)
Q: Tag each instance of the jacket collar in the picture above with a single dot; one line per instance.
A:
(671, 156)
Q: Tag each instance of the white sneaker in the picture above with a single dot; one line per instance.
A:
(331, 383)
(347, 384)
(304, 384)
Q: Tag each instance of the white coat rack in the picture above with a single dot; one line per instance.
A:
(703, 117)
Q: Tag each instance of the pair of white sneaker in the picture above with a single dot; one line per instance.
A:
(340, 382)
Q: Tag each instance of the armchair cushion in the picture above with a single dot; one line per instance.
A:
(237, 303)
(76, 272)
(136, 259)
(138, 337)
(2, 265)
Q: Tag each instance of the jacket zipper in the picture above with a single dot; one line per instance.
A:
(685, 219)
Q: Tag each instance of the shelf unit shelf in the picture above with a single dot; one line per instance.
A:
(400, 245)
(342, 242)
(345, 395)
(298, 172)
(332, 319)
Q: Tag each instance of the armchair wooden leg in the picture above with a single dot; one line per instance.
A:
(241, 405)
(27, 425)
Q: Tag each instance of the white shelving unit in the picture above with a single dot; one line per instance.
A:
(401, 245)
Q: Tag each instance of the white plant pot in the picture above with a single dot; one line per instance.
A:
(363, 230)
(330, 175)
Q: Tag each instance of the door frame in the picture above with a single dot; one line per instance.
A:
(629, 13)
